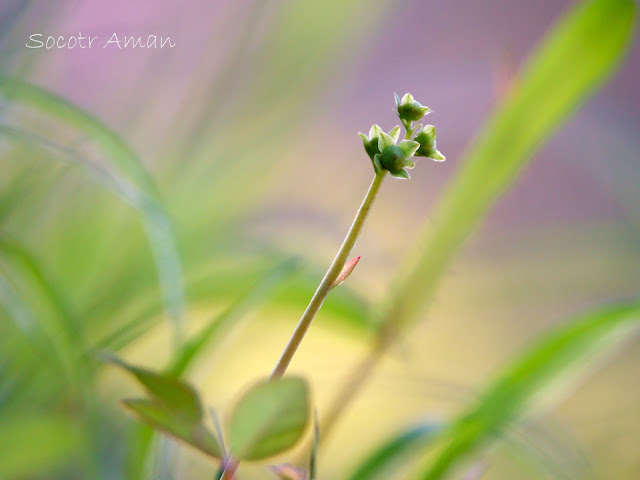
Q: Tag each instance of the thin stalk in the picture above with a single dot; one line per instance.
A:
(329, 278)
(230, 467)
(385, 338)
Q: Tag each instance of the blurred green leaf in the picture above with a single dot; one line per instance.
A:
(33, 444)
(124, 174)
(270, 418)
(167, 420)
(173, 394)
(575, 58)
(52, 318)
(551, 360)
(392, 455)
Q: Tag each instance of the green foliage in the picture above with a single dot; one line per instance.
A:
(270, 418)
(55, 318)
(30, 444)
(126, 176)
(395, 453)
(175, 423)
(589, 43)
(174, 394)
(552, 359)
(175, 407)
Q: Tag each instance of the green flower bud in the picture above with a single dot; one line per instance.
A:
(371, 142)
(410, 110)
(395, 158)
(427, 140)
(392, 158)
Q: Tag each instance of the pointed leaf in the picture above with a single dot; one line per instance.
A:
(346, 271)
(162, 418)
(167, 390)
(270, 418)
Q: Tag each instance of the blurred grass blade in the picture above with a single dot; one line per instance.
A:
(124, 170)
(55, 319)
(573, 60)
(259, 293)
(558, 358)
(390, 456)
(32, 445)
(313, 457)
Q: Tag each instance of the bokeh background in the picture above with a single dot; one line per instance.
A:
(248, 130)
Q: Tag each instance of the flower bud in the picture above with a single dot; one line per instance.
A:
(409, 109)
(371, 142)
(427, 140)
(395, 158)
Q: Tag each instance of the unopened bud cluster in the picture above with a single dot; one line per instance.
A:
(387, 154)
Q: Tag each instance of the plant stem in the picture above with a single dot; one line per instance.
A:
(329, 278)
(385, 338)
(230, 467)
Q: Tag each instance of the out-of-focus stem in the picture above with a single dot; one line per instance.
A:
(329, 278)
(230, 467)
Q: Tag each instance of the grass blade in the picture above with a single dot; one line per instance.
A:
(557, 358)
(589, 43)
(383, 461)
(124, 171)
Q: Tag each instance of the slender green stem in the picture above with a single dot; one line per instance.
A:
(329, 278)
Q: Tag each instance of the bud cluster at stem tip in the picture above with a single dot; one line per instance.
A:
(387, 154)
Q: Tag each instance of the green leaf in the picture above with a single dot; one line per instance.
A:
(160, 417)
(552, 360)
(32, 445)
(175, 395)
(270, 418)
(125, 175)
(392, 455)
(573, 60)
